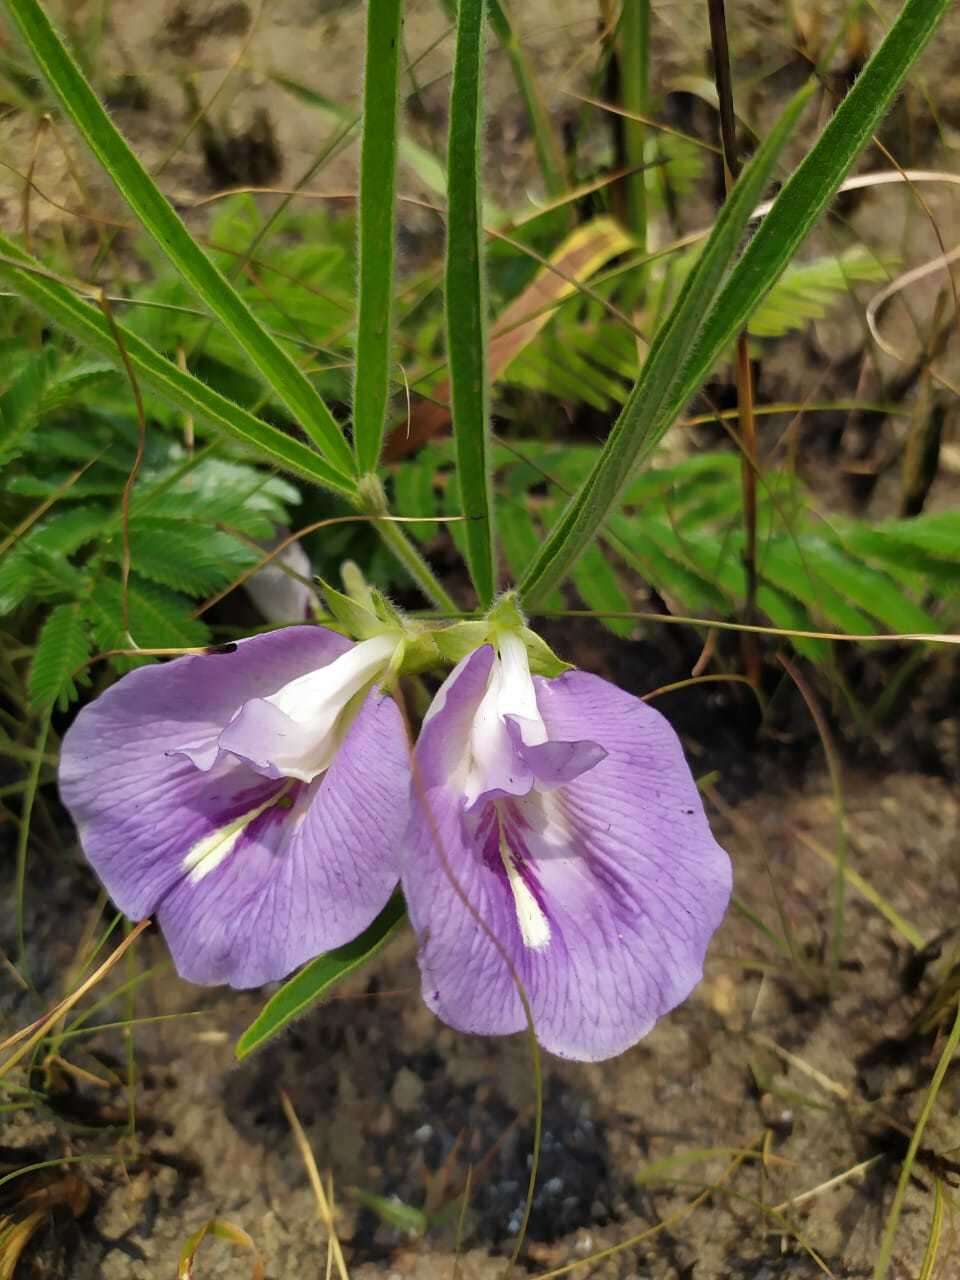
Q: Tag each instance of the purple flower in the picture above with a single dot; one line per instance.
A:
(254, 800)
(556, 826)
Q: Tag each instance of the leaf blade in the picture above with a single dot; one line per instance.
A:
(317, 977)
(645, 416)
(465, 301)
(377, 236)
(158, 217)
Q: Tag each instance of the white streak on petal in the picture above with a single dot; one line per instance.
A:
(534, 925)
(207, 854)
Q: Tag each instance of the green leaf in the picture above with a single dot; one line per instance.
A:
(20, 403)
(599, 588)
(196, 562)
(62, 649)
(872, 591)
(281, 374)
(807, 290)
(158, 619)
(811, 186)
(465, 302)
(314, 981)
(67, 531)
(30, 572)
(69, 382)
(88, 324)
(652, 403)
(378, 179)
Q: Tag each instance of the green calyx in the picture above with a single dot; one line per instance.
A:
(456, 642)
(364, 612)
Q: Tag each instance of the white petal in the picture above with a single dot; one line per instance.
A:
(318, 699)
(517, 696)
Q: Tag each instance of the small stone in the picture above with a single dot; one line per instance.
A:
(407, 1091)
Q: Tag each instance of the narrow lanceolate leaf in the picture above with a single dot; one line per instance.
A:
(62, 649)
(315, 979)
(280, 372)
(378, 178)
(812, 185)
(465, 300)
(646, 414)
(87, 323)
(710, 310)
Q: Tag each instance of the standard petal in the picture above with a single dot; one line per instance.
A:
(604, 897)
(303, 879)
(135, 799)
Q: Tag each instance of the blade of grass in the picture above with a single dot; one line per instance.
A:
(906, 1172)
(88, 324)
(158, 217)
(634, 37)
(465, 301)
(549, 154)
(377, 212)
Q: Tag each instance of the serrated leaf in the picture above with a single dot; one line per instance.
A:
(69, 381)
(62, 649)
(67, 531)
(33, 573)
(807, 290)
(20, 402)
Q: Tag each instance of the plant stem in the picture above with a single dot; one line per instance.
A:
(748, 424)
(635, 92)
(23, 837)
(406, 553)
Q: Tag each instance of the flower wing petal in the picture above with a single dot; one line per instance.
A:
(617, 886)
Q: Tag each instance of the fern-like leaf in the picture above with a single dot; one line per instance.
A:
(157, 619)
(62, 650)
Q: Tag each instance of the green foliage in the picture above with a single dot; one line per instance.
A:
(192, 524)
(61, 652)
(586, 355)
(680, 529)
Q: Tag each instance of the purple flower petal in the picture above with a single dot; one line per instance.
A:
(303, 879)
(601, 895)
(250, 875)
